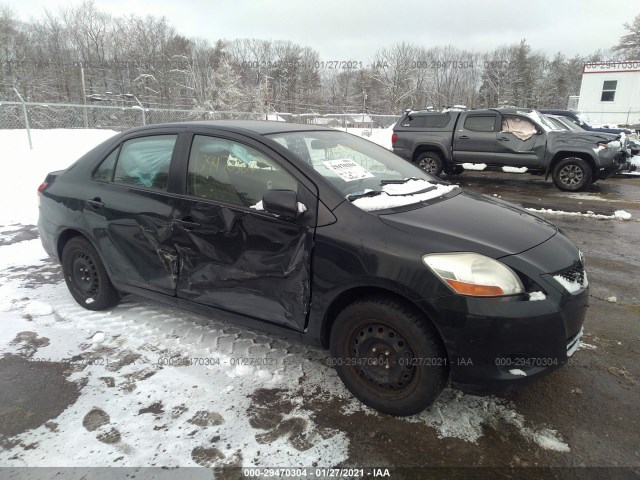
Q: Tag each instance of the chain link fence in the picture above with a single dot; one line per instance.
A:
(30, 115)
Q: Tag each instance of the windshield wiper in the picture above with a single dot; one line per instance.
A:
(355, 196)
(396, 182)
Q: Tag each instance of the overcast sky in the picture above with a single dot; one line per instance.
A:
(354, 30)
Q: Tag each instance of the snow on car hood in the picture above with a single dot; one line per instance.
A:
(471, 222)
(397, 195)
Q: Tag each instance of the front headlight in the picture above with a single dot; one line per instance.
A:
(474, 274)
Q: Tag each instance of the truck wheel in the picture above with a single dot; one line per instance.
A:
(86, 276)
(376, 345)
(572, 174)
(430, 162)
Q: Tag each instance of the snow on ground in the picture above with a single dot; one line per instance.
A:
(617, 215)
(26, 169)
(381, 136)
(162, 386)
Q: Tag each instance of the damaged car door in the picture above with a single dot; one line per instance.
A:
(233, 255)
(129, 212)
(520, 143)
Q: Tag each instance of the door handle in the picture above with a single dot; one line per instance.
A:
(95, 203)
(186, 224)
(463, 137)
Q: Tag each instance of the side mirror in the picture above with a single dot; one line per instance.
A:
(281, 202)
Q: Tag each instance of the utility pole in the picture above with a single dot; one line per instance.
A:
(84, 97)
(364, 104)
(266, 96)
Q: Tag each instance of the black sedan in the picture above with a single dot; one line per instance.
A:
(327, 238)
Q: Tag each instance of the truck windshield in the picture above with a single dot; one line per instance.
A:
(540, 119)
(370, 176)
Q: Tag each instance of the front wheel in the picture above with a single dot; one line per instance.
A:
(431, 162)
(572, 174)
(86, 276)
(388, 356)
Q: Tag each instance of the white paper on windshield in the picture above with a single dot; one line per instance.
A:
(347, 169)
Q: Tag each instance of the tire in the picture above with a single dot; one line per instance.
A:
(431, 162)
(388, 357)
(572, 174)
(86, 276)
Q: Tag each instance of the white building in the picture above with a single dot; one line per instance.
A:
(610, 92)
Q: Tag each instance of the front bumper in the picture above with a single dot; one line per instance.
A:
(497, 344)
(612, 162)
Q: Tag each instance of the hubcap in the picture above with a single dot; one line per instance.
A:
(383, 357)
(428, 164)
(571, 175)
(85, 276)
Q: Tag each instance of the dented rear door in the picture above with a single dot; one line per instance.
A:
(128, 207)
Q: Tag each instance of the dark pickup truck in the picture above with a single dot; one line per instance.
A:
(514, 137)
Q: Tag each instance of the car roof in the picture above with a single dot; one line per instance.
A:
(261, 127)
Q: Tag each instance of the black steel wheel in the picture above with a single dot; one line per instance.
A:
(86, 276)
(431, 162)
(572, 174)
(388, 356)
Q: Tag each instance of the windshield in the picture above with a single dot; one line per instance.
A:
(362, 170)
(541, 120)
(556, 122)
(570, 124)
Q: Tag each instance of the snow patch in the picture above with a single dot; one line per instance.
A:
(37, 308)
(536, 296)
(514, 169)
(517, 371)
(474, 166)
(612, 299)
(622, 215)
(572, 287)
(396, 195)
(618, 215)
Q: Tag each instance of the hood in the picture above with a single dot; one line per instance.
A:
(588, 138)
(471, 222)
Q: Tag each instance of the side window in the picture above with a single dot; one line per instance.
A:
(145, 161)
(520, 127)
(104, 172)
(231, 172)
(480, 123)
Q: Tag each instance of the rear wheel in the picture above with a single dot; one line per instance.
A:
(388, 356)
(430, 162)
(86, 276)
(572, 174)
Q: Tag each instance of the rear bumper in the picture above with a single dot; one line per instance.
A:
(46, 233)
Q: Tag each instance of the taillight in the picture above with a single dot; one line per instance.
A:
(41, 188)
(394, 137)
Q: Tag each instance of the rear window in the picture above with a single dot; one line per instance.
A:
(437, 120)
